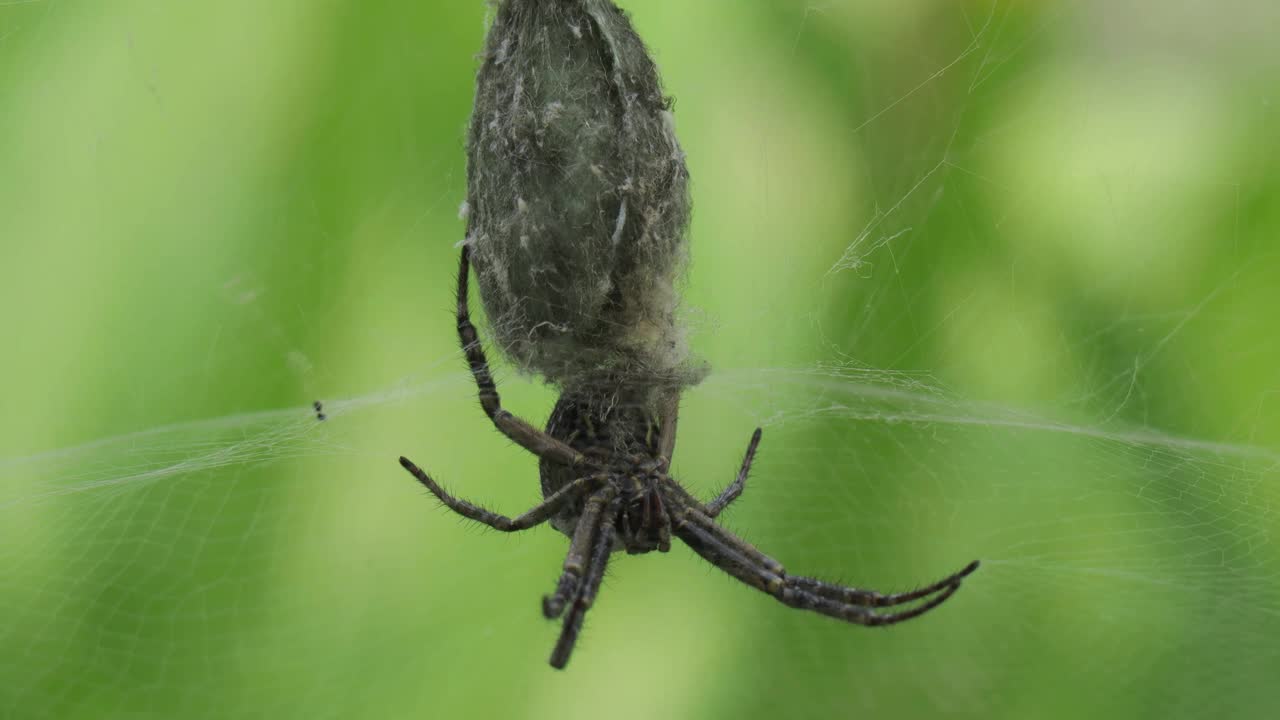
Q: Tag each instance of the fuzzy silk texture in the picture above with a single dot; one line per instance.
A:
(578, 198)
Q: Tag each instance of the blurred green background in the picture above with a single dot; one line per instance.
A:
(1000, 280)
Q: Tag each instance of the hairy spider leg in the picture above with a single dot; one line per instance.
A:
(871, 598)
(669, 415)
(600, 551)
(731, 493)
(537, 515)
(737, 544)
(575, 563)
(728, 495)
(733, 555)
(664, 524)
(521, 432)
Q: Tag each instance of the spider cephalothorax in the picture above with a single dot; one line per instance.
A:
(616, 427)
(605, 460)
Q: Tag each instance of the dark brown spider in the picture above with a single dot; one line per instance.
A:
(604, 468)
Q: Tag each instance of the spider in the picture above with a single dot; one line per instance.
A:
(606, 481)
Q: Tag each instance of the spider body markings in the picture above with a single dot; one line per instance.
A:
(605, 462)
(622, 440)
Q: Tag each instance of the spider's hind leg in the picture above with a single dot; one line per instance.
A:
(525, 435)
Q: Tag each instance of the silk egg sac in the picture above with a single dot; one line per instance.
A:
(578, 198)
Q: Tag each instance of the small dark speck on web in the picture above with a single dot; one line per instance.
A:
(319, 407)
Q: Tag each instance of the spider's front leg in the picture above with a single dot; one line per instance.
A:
(743, 561)
(576, 561)
(601, 547)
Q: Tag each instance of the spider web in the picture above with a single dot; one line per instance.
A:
(997, 279)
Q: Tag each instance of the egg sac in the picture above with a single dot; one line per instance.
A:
(577, 197)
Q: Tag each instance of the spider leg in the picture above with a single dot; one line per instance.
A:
(871, 598)
(731, 493)
(741, 547)
(831, 591)
(664, 525)
(733, 555)
(575, 563)
(538, 514)
(591, 585)
(669, 415)
(728, 495)
(525, 435)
